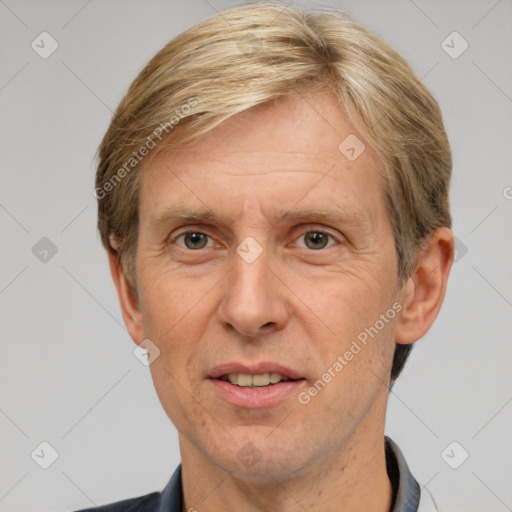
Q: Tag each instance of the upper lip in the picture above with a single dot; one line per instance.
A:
(253, 369)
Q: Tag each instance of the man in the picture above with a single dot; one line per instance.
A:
(273, 197)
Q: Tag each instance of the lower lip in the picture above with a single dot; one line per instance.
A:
(256, 398)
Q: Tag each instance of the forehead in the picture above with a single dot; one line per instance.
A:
(272, 157)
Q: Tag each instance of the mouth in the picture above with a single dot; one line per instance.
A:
(255, 387)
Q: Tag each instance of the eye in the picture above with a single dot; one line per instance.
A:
(316, 239)
(193, 240)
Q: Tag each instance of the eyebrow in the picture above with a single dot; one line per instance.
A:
(177, 213)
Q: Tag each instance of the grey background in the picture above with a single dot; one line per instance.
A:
(68, 375)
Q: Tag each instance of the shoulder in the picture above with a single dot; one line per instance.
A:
(146, 503)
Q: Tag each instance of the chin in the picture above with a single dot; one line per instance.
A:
(258, 458)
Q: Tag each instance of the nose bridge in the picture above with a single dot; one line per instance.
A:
(251, 299)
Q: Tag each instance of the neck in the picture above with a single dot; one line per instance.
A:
(353, 478)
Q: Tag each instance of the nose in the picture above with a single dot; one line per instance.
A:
(255, 300)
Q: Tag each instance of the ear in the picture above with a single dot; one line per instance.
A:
(127, 297)
(424, 291)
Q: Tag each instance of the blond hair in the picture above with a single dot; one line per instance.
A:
(256, 53)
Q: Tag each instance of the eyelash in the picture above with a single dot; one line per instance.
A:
(176, 237)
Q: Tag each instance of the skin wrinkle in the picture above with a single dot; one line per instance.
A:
(163, 220)
(234, 221)
(293, 305)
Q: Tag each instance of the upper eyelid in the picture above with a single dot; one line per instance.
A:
(199, 227)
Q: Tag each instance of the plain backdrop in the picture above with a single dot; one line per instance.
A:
(68, 375)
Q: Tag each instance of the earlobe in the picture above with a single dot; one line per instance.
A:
(127, 298)
(424, 291)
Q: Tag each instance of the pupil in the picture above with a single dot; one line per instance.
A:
(195, 239)
(319, 240)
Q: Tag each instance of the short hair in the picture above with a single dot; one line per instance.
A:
(254, 54)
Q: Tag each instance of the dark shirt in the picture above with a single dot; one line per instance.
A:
(406, 491)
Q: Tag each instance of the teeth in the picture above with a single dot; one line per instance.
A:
(246, 380)
(261, 380)
(275, 378)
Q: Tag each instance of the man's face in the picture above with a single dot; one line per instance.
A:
(317, 284)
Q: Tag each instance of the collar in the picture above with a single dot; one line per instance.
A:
(406, 491)
(171, 499)
(407, 496)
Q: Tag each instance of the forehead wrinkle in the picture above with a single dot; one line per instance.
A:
(272, 171)
(181, 213)
(224, 160)
(219, 168)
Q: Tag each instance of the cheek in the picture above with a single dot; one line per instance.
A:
(172, 392)
(356, 369)
(344, 304)
(175, 319)
(167, 300)
(356, 322)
